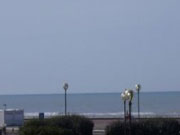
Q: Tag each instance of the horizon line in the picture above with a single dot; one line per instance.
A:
(80, 93)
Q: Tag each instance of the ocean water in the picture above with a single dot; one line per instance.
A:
(94, 105)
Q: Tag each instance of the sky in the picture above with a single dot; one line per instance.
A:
(95, 46)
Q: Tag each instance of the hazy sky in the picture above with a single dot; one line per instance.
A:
(95, 45)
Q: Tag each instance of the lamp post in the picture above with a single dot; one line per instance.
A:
(138, 87)
(124, 98)
(129, 93)
(65, 86)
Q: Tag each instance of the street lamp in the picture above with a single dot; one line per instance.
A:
(138, 87)
(124, 98)
(129, 93)
(65, 86)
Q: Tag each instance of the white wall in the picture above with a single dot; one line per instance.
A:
(12, 117)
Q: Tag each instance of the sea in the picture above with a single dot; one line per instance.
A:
(95, 104)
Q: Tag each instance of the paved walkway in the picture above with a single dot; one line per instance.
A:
(98, 132)
(100, 125)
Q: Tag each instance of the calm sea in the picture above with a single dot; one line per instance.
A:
(104, 104)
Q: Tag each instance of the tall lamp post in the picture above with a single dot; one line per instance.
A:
(124, 98)
(65, 86)
(129, 93)
(138, 87)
